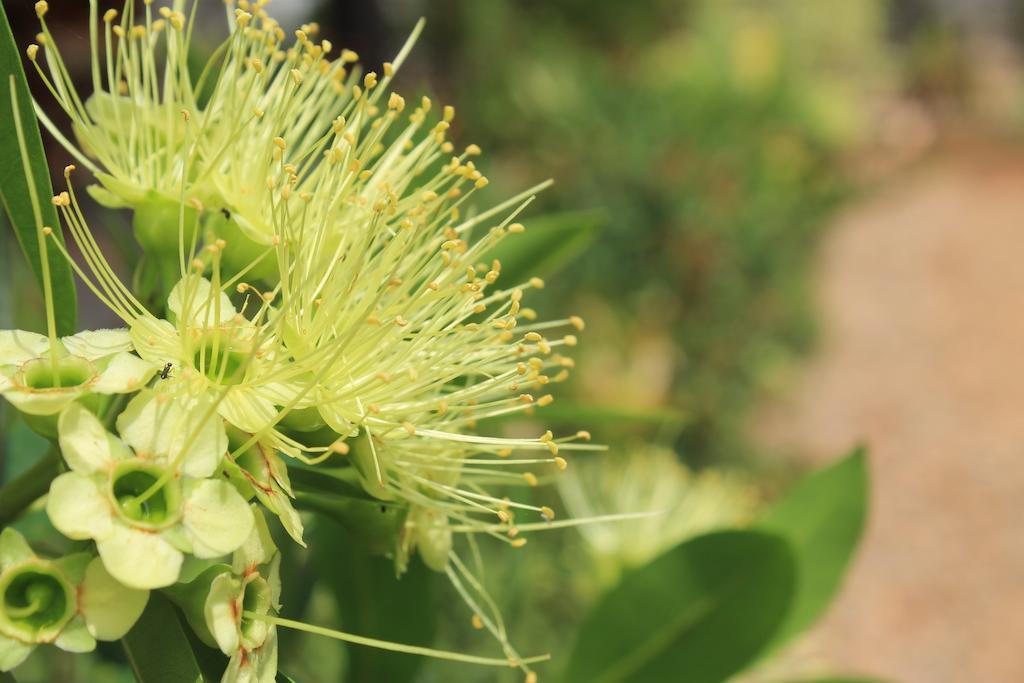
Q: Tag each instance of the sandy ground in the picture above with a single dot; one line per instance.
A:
(922, 356)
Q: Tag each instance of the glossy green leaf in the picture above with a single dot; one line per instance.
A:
(549, 243)
(698, 613)
(159, 649)
(14, 191)
(371, 601)
(823, 518)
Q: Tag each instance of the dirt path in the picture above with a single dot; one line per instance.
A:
(922, 299)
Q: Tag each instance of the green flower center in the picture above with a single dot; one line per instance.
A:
(256, 599)
(160, 510)
(73, 371)
(218, 357)
(37, 602)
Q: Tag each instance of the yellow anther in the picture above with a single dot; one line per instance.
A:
(547, 513)
(370, 80)
(570, 340)
(583, 434)
(47, 230)
(280, 143)
(536, 282)
(449, 113)
(533, 337)
(530, 478)
(110, 15)
(481, 182)
(531, 677)
(32, 50)
(409, 428)
(473, 150)
(518, 543)
(526, 398)
(545, 400)
(296, 76)
(340, 447)
(561, 463)
(41, 8)
(425, 103)
(517, 227)
(396, 102)
(389, 69)
(429, 196)
(577, 322)
(242, 17)
(348, 56)
(478, 623)
(68, 170)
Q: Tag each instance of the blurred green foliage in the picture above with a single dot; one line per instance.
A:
(711, 135)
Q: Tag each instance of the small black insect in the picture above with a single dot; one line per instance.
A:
(227, 214)
(166, 372)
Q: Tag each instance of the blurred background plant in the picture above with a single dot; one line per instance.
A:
(699, 150)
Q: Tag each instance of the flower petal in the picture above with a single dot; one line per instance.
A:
(12, 652)
(110, 608)
(42, 401)
(93, 344)
(247, 411)
(140, 559)
(221, 613)
(157, 426)
(205, 307)
(75, 637)
(125, 373)
(217, 518)
(14, 548)
(258, 547)
(156, 340)
(78, 508)
(18, 346)
(86, 444)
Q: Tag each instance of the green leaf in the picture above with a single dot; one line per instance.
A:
(549, 244)
(698, 613)
(373, 602)
(823, 519)
(14, 190)
(159, 648)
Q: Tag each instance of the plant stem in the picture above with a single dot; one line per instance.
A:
(28, 487)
